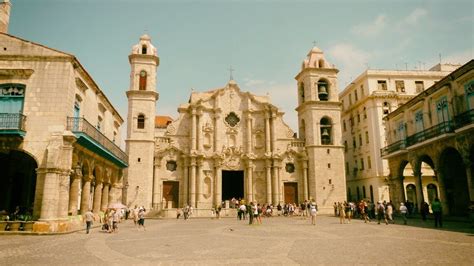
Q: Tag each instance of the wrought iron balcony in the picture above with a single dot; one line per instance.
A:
(399, 145)
(79, 125)
(439, 129)
(12, 122)
(464, 118)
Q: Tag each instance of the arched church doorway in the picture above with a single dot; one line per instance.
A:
(455, 181)
(232, 185)
(18, 181)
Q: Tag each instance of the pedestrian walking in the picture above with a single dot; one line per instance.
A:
(141, 218)
(250, 212)
(437, 212)
(381, 212)
(89, 218)
(115, 221)
(425, 209)
(342, 213)
(313, 210)
(403, 212)
(389, 212)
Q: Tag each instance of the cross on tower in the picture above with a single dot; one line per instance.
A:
(314, 43)
(231, 70)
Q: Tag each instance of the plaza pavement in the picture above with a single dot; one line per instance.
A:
(278, 241)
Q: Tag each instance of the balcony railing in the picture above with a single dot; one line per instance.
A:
(12, 121)
(439, 129)
(81, 125)
(464, 118)
(399, 145)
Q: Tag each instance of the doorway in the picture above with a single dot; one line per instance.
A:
(232, 185)
(171, 193)
(291, 192)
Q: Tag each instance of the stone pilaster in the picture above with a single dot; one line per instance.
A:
(63, 201)
(275, 184)
(217, 183)
(49, 203)
(267, 133)
(192, 183)
(193, 129)
(268, 176)
(305, 180)
(442, 191)
(250, 181)
(74, 190)
(419, 188)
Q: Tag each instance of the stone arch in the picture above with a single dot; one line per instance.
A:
(325, 125)
(452, 171)
(18, 178)
(323, 89)
(321, 63)
(142, 80)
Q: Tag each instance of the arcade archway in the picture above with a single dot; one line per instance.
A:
(18, 181)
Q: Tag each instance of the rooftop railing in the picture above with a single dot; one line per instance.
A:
(10, 121)
(81, 125)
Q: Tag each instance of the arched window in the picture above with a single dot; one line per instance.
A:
(321, 63)
(301, 92)
(141, 122)
(144, 49)
(326, 131)
(302, 130)
(363, 192)
(323, 90)
(432, 192)
(411, 193)
(358, 193)
(142, 83)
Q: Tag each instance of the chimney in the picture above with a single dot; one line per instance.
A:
(5, 6)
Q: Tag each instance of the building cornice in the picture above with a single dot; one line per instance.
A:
(317, 71)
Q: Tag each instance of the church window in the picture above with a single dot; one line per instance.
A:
(369, 162)
(321, 63)
(361, 163)
(358, 117)
(362, 93)
(354, 143)
(344, 125)
(171, 166)
(329, 167)
(301, 92)
(141, 122)
(360, 139)
(144, 49)
(326, 131)
(142, 83)
(363, 192)
(382, 85)
(290, 168)
(365, 113)
(323, 90)
(366, 136)
(232, 119)
(356, 96)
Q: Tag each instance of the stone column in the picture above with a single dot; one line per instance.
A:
(185, 187)
(267, 133)
(249, 133)
(198, 130)
(63, 201)
(250, 181)
(470, 181)
(199, 181)
(419, 189)
(401, 190)
(275, 184)
(193, 129)
(268, 168)
(305, 180)
(217, 184)
(280, 185)
(442, 191)
(105, 197)
(272, 131)
(49, 203)
(192, 183)
(216, 130)
(74, 190)
(86, 193)
(97, 197)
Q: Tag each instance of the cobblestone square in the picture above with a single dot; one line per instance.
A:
(277, 241)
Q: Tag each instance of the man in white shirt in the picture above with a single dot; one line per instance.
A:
(89, 218)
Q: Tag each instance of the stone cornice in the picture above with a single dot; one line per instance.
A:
(153, 94)
(317, 71)
(154, 58)
(15, 73)
(319, 105)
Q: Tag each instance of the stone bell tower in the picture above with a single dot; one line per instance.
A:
(5, 7)
(319, 120)
(142, 97)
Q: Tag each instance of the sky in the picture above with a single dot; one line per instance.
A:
(264, 41)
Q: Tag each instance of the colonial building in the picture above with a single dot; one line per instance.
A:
(366, 100)
(227, 143)
(435, 128)
(59, 136)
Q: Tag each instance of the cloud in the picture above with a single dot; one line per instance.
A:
(350, 59)
(369, 29)
(415, 16)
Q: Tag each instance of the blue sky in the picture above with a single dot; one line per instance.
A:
(264, 41)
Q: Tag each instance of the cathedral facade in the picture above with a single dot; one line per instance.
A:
(227, 143)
